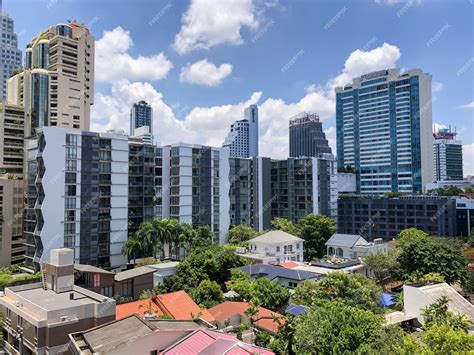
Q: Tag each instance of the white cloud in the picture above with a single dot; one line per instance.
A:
(205, 73)
(208, 23)
(468, 157)
(112, 62)
(438, 126)
(437, 86)
(209, 125)
(469, 105)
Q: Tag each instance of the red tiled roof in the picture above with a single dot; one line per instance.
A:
(227, 309)
(289, 265)
(139, 307)
(181, 307)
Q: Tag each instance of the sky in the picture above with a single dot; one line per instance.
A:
(199, 63)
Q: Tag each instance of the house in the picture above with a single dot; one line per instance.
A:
(134, 335)
(324, 267)
(38, 317)
(162, 271)
(273, 247)
(353, 246)
(175, 305)
(130, 284)
(94, 279)
(232, 314)
(286, 277)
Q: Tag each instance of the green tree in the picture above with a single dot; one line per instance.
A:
(446, 191)
(316, 230)
(207, 294)
(383, 265)
(421, 253)
(263, 339)
(356, 290)
(239, 282)
(444, 339)
(285, 225)
(438, 313)
(268, 294)
(241, 234)
(132, 247)
(334, 327)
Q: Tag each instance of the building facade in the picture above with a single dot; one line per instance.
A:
(12, 247)
(10, 54)
(141, 114)
(12, 133)
(384, 218)
(56, 87)
(307, 138)
(464, 216)
(447, 156)
(383, 123)
(242, 139)
(77, 196)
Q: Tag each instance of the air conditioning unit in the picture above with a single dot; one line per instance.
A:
(121, 299)
(63, 318)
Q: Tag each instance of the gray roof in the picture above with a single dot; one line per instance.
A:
(344, 240)
(90, 268)
(276, 237)
(272, 272)
(138, 271)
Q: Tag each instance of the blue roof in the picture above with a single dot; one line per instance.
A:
(272, 272)
(296, 310)
(387, 299)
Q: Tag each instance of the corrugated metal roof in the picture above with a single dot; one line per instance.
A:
(344, 240)
(271, 272)
(276, 237)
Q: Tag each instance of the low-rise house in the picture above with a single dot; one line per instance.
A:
(273, 247)
(353, 246)
(229, 315)
(286, 277)
(325, 266)
(130, 284)
(175, 305)
(94, 279)
(163, 271)
(134, 335)
(38, 317)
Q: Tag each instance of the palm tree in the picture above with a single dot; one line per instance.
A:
(132, 247)
(162, 233)
(145, 235)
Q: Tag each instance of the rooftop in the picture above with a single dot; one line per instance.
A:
(272, 272)
(276, 237)
(90, 268)
(345, 240)
(138, 307)
(138, 271)
(180, 306)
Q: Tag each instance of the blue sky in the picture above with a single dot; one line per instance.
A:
(201, 62)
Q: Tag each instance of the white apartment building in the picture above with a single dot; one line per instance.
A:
(10, 54)
(77, 196)
(56, 87)
(242, 139)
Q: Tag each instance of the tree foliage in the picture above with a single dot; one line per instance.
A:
(241, 234)
(438, 313)
(268, 294)
(240, 282)
(442, 339)
(316, 230)
(285, 225)
(207, 294)
(383, 265)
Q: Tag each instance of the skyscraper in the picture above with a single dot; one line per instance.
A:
(307, 138)
(141, 114)
(447, 155)
(383, 122)
(10, 54)
(56, 87)
(242, 139)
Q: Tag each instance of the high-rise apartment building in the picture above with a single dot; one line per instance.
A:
(384, 125)
(12, 132)
(307, 138)
(12, 247)
(447, 156)
(141, 114)
(77, 196)
(10, 54)
(56, 87)
(242, 139)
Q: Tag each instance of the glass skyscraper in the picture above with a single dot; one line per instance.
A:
(242, 139)
(141, 114)
(11, 55)
(383, 122)
(307, 138)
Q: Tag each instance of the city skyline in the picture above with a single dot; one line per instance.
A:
(166, 61)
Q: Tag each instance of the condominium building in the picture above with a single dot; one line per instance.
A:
(447, 156)
(141, 114)
(242, 139)
(38, 317)
(10, 54)
(12, 132)
(56, 87)
(77, 196)
(384, 125)
(194, 186)
(307, 138)
(263, 188)
(12, 247)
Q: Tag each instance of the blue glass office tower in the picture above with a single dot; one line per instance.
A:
(383, 122)
(141, 114)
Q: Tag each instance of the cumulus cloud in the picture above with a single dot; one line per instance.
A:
(209, 125)
(112, 61)
(205, 73)
(469, 105)
(468, 157)
(437, 86)
(208, 23)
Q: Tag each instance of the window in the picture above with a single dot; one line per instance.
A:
(339, 252)
(278, 249)
(127, 288)
(71, 139)
(96, 280)
(107, 291)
